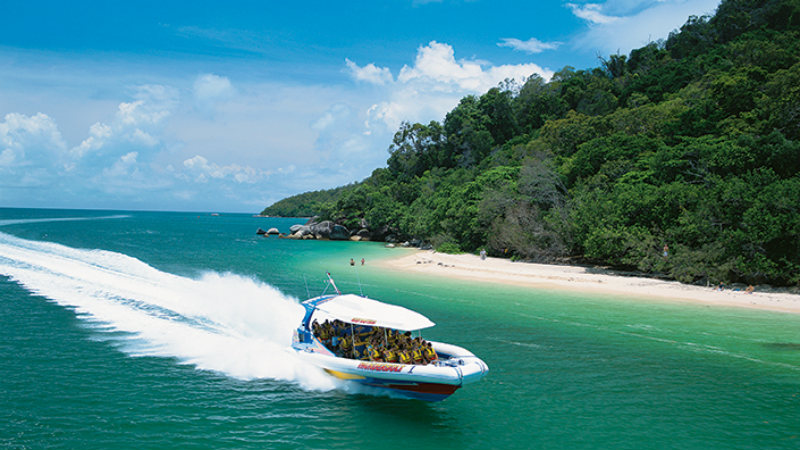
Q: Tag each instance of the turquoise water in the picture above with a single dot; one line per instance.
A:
(154, 330)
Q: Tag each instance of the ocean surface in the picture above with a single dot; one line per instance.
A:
(123, 330)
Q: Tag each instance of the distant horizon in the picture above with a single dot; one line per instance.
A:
(201, 107)
(209, 212)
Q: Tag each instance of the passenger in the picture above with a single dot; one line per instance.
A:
(363, 331)
(324, 333)
(403, 357)
(389, 355)
(338, 327)
(334, 342)
(391, 337)
(346, 346)
(360, 346)
(376, 332)
(331, 328)
(374, 354)
(377, 342)
(430, 353)
(416, 355)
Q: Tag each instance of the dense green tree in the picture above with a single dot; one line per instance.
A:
(536, 103)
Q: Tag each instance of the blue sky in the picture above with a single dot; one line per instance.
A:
(230, 106)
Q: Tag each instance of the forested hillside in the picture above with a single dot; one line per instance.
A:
(692, 142)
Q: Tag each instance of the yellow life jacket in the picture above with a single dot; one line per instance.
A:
(416, 355)
(346, 343)
(375, 354)
(403, 357)
(364, 332)
(390, 356)
(430, 353)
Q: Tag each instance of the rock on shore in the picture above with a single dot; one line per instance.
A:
(329, 230)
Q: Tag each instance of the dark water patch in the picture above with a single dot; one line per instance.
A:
(789, 346)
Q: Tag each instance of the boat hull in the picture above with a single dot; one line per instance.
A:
(430, 382)
(431, 392)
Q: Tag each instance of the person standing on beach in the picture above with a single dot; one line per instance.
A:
(666, 250)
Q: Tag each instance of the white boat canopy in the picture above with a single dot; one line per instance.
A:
(365, 311)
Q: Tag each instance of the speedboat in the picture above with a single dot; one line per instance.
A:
(433, 378)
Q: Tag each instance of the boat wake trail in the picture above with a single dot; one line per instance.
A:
(220, 322)
(59, 219)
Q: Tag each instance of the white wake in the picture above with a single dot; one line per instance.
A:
(220, 322)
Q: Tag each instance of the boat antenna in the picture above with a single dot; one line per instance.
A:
(327, 285)
(359, 282)
(330, 279)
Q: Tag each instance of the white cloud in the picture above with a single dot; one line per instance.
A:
(435, 83)
(331, 116)
(340, 139)
(135, 123)
(643, 22)
(98, 134)
(118, 152)
(154, 102)
(591, 13)
(369, 73)
(531, 46)
(210, 87)
(409, 104)
(203, 171)
(124, 166)
(436, 65)
(436, 68)
(29, 140)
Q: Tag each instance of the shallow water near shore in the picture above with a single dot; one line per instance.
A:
(152, 330)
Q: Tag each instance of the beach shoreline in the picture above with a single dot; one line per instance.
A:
(585, 279)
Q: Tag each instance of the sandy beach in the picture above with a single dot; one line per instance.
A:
(596, 280)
